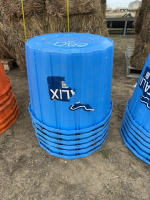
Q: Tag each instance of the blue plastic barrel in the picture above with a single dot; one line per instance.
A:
(84, 64)
(70, 79)
(135, 128)
(139, 105)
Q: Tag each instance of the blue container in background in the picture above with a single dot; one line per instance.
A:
(135, 128)
(70, 79)
(140, 102)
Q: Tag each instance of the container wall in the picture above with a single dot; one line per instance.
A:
(140, 107)
(84, 77)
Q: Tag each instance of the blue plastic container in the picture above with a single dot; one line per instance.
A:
(139, 105)
(73, 145)
(70, 78)
(73, 155)
(136, 140)
(135, 128)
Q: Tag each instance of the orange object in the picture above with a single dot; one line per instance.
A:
(5, 86)
(6, 96)
(9, 114)
(3, 79)
(5, 91)
(8, 105)
(11, 120)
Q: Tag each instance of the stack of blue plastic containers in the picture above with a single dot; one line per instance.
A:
(135, 128)
(70, 78)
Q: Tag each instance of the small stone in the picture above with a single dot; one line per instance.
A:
(9, 132)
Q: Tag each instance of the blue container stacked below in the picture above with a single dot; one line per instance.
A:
(135, 128)
(70, 78)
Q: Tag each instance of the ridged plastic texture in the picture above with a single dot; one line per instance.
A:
(71, 133)
(85, 63)
(8, 106)
(135, 137)
(139, 110)
(6, 93)
(9, 119)
(3, 80)
(135, 128)
(71, 146)
(5, 86)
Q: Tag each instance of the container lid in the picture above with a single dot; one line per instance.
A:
(69, 43)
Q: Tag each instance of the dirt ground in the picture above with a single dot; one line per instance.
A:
(112, 173)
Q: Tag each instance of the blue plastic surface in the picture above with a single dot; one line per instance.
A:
(135, 128)
(138, 109)
(134, 148)
(73, 152)
(141, 136)
(71, 139)
(77, 155)
(134, 144)
(83, 64)
(135, 137)
(70, 132)
(71, 146)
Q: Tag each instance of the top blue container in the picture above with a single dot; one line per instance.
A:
(70, 78)
(139, 104)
